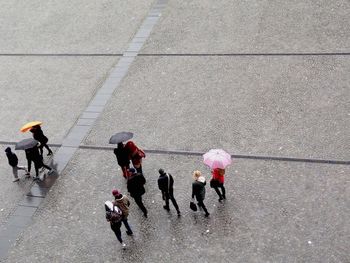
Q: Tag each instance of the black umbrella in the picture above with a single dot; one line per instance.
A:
(120, 137)
(26, 144)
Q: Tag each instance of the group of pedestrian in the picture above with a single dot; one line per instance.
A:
(129, 152)
(33, 155)
(135, 186)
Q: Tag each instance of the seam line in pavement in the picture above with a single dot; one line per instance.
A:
(242, 54)
(195, 153)
(78, 132)
(59, 55)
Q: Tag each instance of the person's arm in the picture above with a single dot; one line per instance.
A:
(193, 186)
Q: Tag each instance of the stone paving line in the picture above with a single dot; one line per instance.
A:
(22, 216)
(196, 153)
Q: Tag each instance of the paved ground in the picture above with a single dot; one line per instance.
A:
(262, 104)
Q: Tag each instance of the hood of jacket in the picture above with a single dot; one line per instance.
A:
(201, 179)
(109, 205)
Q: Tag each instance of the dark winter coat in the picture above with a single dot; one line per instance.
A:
(33, 154)
(163, 183)
(39, 135)
(12, 158)
(122, 156)
(135, 184)
(198, 188)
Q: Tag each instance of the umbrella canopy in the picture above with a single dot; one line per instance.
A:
(217, 158)
(26, 144)
(29, 125)
(120, 137)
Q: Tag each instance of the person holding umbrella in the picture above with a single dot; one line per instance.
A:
(198, 190)
(33, 155)
(120, 152)
(13, 162)
(122, 158)
(38, 135)
(218, 160)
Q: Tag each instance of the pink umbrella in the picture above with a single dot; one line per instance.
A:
(217, 158)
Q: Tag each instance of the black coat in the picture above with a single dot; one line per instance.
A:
(198, 190)
(135, 184)
(39, 135)
(122, 156)
(163, 183)
(33, 154)
(12, 158)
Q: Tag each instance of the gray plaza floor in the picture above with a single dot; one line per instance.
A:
(265, 80)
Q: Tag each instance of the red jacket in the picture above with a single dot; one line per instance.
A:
(218, 174)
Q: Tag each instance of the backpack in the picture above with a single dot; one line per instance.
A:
(114, 216)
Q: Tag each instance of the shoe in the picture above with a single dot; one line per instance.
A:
(129, 233)
(207, 214)
(166, 207)
(145, 215)
(15, 180)
(178, 213)
(220, 199)
(224, 197)
(123, 245)
(27, 174)
(50, 153)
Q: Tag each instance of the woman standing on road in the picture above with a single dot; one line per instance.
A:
(217, 181)
(198, 190)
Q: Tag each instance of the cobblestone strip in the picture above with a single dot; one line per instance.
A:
(22, 216)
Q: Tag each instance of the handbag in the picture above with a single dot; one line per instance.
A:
(193, 206)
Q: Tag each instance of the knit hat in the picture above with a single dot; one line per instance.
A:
(115, 192)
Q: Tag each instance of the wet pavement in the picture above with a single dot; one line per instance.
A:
(93, 78)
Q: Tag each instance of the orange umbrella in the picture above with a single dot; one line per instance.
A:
(29, 125)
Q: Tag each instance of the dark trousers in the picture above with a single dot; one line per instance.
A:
(127, 226)
(170, 196)
(37, 166)
(202, 205)
(138, 200)
(222, 194)
(116, 229)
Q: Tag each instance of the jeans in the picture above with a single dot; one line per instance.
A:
(116, 229)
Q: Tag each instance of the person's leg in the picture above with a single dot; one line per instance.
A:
(167, 197)
(172, 198)
(125, 171)
(41, 149)
(138, 200)
(15, 173)
(218, 192)
(48, 148)
(47, 167)
(127, 226)
(223, 191)
(29, 165)
(36, 167)
(201, 204)
(116, 229)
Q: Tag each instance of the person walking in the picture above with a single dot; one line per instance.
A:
(135, 185)
(198, 190)
(114, 217)
(135, 155)
(13, 162)
(38, 135)
(122, 158)
(123, 203)
(166, 186)
(217, 181)
(33, 155)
